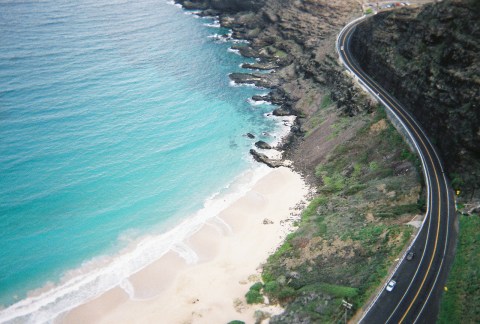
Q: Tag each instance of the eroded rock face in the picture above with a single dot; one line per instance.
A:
(224, 6)
(429, 58)
(296, 40)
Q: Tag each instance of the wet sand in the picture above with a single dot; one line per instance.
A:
(230, 247)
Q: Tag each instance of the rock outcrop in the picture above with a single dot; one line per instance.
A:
(222, 6)
(297, 39)
(262, 158)
(429, 58)
(263, 145)
(259, 80)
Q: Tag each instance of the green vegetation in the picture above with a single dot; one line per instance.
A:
(276, 52)
(236, 322)
(339, 126)
(254, 296)
(334, 290)
(313, 206)
(351, 233)
(326, 101)
(461, 302)
(457, 181)
(369, 11)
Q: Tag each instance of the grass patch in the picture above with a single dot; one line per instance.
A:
(276, 52)
(461, 303)
(350, 234)
(311, 209)
(332, 290)
(326, 101)
(339, 126)
(397, 210)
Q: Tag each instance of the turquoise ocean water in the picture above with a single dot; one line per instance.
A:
(117, 123)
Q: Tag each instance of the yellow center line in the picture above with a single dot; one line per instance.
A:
(436, 177)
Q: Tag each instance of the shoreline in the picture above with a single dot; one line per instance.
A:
(230, 249)
(179, 255)
(109, 274)
(143, 298)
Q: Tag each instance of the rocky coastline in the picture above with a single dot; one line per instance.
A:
(340, 142)
(295, 59)
(369, 192)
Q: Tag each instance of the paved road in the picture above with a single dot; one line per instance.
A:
(420, 281)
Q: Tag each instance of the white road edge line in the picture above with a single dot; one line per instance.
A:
(416, 147)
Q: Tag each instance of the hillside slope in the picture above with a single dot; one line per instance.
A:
(429, 58)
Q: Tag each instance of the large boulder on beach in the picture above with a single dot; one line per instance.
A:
(262, 158)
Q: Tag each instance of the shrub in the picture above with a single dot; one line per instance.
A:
(334, 183)
(271, 287)
(257, 286)
(312, 208)
(286, 292)
(254, 296)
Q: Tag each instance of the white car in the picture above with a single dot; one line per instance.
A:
(391, 285)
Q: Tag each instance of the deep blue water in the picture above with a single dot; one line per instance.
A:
(117, 120)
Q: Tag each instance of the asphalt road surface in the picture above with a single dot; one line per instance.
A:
(420, 281)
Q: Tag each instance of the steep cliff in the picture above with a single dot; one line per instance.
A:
(222, 6)
(429, 58)
(368, 187)
(295, 40)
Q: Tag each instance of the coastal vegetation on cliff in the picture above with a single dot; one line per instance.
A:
(367, 181)
(461, 299)
(429, 57)
(352, 231)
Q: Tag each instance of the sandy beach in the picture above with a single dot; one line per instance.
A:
(230, 247)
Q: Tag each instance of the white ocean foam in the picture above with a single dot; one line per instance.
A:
(232, 50)
(104, 273)
(194, 13)
(215, 24)
(173, 3)
(239, 41)
(127, 286)
(235, 84)
(258, 102)
(284, 126)
(219, 38)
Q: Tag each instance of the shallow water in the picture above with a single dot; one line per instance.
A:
(117, 122)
